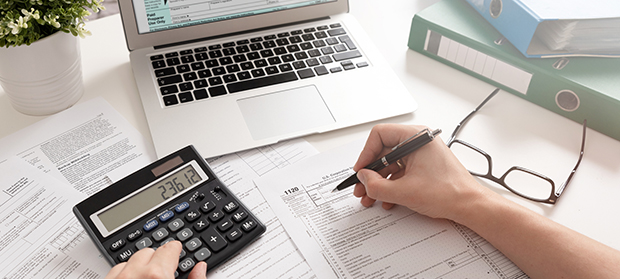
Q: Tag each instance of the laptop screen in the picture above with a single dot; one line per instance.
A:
(157, 15)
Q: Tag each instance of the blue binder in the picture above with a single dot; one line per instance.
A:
(519, 20)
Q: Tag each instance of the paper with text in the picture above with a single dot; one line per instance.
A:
(274, 255)
(89, 146)
(39, 235)
(342, 239)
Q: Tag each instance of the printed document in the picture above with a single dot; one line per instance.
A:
(39, 235)
(274, 255)
(342, 239)
(47, 168)
(88, 146)
(91, 146)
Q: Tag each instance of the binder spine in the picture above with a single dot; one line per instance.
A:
(526, 80)
(511, 18)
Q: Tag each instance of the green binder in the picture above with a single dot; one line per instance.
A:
(579, 88)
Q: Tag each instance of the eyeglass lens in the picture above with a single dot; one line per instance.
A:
(518, 180)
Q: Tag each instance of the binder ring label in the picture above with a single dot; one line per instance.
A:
(567, 100)
(495, 8)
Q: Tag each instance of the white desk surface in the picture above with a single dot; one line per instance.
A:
(512, 130)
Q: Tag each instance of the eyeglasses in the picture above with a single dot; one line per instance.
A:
(519, 180)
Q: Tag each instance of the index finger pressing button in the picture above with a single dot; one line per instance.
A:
(202, 254)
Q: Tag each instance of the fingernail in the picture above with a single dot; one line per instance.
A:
(361, 177)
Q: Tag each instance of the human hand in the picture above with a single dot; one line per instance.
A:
(155, 264)
(432, 182)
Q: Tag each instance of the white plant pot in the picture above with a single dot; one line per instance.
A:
(45, 77)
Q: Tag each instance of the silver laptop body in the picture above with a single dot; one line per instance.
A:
(216, 109)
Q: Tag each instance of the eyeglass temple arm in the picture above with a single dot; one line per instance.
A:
(458, 127)
(572, 173)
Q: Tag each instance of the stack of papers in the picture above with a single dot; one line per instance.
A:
(311, 232)
(594, 36)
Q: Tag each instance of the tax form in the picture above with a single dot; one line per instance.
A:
(90, 146)
(274, 255)
(342, 239)
(39, 236)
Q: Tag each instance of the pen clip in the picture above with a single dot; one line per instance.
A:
(426, 130)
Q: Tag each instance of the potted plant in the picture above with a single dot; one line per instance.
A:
(40, 65)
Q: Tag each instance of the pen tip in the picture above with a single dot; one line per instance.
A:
(335, 190)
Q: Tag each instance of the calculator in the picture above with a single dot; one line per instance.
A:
(176, 198)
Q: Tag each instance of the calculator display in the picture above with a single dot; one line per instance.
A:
(149, 197)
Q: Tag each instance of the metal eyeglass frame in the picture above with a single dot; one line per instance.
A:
(553, 196)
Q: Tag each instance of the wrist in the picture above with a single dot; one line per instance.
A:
(473, 201)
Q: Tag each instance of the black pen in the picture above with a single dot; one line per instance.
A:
(401, 150)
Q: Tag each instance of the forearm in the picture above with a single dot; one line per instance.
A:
(540, 247)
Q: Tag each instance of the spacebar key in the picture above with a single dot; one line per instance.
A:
(260, 82)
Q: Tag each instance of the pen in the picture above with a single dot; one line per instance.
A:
(401, 150)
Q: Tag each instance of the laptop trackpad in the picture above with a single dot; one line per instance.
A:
(285, 112)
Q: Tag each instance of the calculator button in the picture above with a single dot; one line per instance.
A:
(207, 207)
(150, 225)
(216, 216)
(183, 253)
(200, 197)
(125, 255)
(201, 225)
(134, 235)
(186, 264)
(202, 254)
(193, 244)
(117, 245)
(248, 225)
(185, 234)
(143, 243)
(166, 216)
(160, 234)
(192, 216)
(176, 225)
(239, 216)
(224, 226)
(181, 207)
(234, 235)
(230, 207)
(214, 240)
(166, 241)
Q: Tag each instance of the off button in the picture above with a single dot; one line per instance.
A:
(117, 245)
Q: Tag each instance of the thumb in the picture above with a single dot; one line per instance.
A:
(199, 271)
(377, 187)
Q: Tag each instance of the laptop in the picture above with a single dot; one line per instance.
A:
(229, 75)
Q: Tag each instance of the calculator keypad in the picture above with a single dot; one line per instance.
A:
(206, 228)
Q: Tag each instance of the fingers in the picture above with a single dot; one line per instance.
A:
(115, 271)
(199, 271)
(377, 187)
(141, 257)
(382, 139)
(387, 205)
(167, 256)
(359, 190)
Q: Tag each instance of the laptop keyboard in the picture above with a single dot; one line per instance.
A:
(232, 67)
